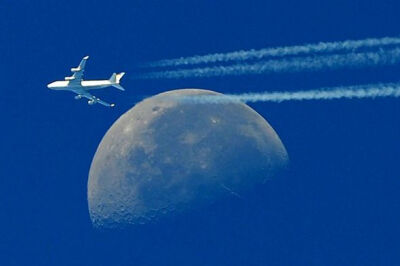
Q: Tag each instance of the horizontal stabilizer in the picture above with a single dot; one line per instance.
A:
(118, 87)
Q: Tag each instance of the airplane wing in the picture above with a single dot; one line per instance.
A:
(78, 71)
(92, 99)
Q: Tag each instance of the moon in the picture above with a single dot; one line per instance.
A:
(165, 155)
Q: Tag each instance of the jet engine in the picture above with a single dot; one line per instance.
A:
(69, 78)
(91, 102)
(78, 97)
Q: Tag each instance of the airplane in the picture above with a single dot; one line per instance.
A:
(76, 84)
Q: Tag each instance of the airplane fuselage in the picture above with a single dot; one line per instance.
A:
(84, 85)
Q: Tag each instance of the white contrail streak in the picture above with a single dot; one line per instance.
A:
(311, 63)
(322, 47)
(349, 92)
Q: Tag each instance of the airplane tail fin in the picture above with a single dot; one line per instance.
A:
(115, 80)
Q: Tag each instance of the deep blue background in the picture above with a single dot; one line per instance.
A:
(338, 204)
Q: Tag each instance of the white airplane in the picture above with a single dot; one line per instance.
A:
(75, 83)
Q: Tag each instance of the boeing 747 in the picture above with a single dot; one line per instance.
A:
(76, 84)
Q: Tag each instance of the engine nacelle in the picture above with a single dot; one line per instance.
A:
(69, 78)
(91, 102)
(78, 97)
(75, 69)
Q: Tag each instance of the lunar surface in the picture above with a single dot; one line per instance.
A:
(166, 155)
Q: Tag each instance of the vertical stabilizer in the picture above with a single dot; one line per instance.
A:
(119, 76)
(115, 80)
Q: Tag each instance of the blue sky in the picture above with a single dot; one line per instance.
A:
(336, 205)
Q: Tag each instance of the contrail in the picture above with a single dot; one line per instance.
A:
(343, 92)
(322, 47)
(311, 63)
